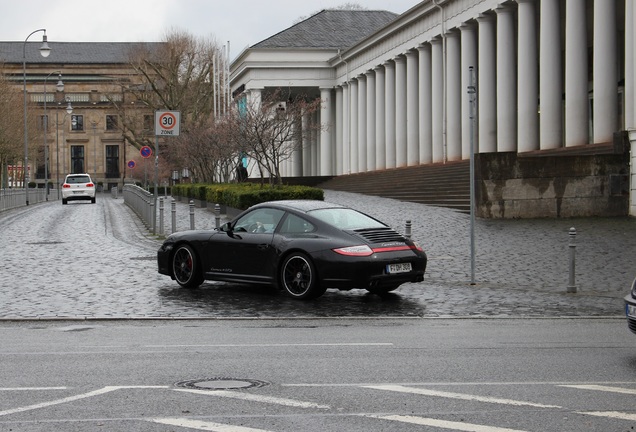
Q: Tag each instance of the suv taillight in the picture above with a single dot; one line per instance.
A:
(90, 185)
(66, 185)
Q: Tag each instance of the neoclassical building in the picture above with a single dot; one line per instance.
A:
(554, 84)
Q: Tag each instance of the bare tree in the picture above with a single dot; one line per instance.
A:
(271, 130)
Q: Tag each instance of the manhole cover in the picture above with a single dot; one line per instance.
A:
(219, 383)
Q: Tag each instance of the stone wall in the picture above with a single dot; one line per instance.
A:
(562, 185)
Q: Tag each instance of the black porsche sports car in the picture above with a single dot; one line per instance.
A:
(630, 307)
(303, 247)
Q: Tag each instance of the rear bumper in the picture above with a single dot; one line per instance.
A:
(630, 312)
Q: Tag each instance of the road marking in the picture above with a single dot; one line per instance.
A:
(462, 396)
(31, 388)
(256, 398)
(611, 414)
(99, 392)
(460, 426)
(603, 388)
(276, 345)
(205, 426)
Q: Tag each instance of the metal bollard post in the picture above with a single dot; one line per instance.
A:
(217, 215)
(152, 217)
(407, 231)
(161, 215)
(572, 247)
(191, 214)
(173, 209)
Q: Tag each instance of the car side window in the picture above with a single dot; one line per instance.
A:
(263, 220)
(296, 225)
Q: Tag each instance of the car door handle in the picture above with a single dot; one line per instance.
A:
(263, 246)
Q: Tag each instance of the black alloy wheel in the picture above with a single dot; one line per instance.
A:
(298, 277)
(186, 267)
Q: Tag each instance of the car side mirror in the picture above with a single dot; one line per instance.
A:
(226, 227)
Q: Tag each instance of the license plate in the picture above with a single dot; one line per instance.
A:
(399, 268)
(631, 311)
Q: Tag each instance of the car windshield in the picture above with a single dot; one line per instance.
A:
(78, 179)
(345, 218)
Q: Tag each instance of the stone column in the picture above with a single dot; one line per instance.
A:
(576, 79)
(369, 148)
(389, 69)
(362, 123)
(437, 96)
(528, 105)
(346, 128)
(326, 154)
(469, 58)
(506, 80)
(425, 104)
(630, 67)
(339, 124)
(412, 110)
(400, 111)
(306, 151)
(486, 85)
(550, 77)
(297, 155)
(354, 125)
(380, 118)
(605, 113)
(453, 97)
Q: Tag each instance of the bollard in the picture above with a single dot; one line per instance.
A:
(173, 209)
(217, 215)
(161, 216)
(151, 218)
(572, 247)
(407, 231)
(191, 214)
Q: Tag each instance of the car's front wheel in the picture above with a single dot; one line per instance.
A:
(298, 277)
(186, 267)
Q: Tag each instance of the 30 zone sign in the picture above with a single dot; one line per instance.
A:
(167, 123)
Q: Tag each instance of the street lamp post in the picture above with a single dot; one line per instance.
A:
(69, 110)
(44, 51)
(60, 88)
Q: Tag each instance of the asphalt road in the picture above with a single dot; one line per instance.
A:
(87, 260)
(495, 375)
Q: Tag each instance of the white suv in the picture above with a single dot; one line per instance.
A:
(78, 187)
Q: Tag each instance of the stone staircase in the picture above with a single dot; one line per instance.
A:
(441, 185)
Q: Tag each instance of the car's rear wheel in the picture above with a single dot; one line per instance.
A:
(186, 267)
(93, 200)
(298, 277)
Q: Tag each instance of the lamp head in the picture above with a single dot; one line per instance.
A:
(69, 108)
(60, 84)
(45, 50)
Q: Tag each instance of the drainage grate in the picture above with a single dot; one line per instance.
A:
(48, 242)
(150, 258)
(220, 383)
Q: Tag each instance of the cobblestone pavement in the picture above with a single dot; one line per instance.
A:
(98, 261)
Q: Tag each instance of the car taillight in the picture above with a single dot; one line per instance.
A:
(362, 250)
(90, 185)
(66, 185)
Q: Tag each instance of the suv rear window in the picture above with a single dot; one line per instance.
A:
(78, 179)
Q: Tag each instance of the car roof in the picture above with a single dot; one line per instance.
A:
(300, 205)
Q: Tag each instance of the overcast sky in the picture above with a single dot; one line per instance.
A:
(241, 22)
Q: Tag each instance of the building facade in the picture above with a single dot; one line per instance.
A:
(549, 76)
(90, 138)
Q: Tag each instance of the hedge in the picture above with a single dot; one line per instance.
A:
(244, 195)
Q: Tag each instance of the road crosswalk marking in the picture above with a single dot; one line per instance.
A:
(462, 396)
(611, 414)
(204, 426)
(256, 398)
(459, 426)
(602, 388)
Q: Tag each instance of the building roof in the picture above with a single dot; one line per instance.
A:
(330, 29)
(73, 52)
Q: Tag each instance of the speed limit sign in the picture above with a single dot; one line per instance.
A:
(167, 123)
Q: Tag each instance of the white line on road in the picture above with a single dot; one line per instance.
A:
(205, 426)
(602, 388)
(31, 388)
(256, 398)
(460, 426)
(611, 414)
(71, 399)
(462, 396)
(275, 345)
